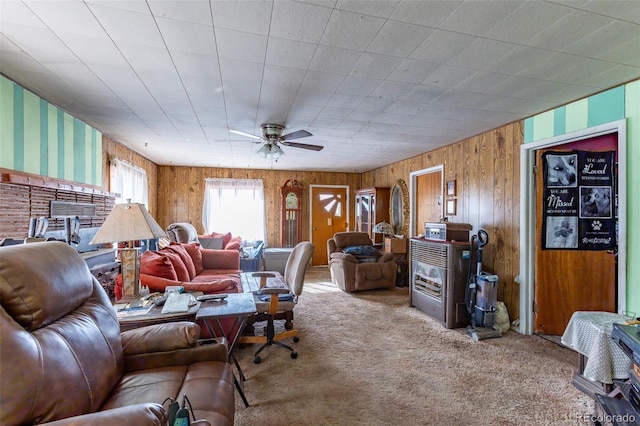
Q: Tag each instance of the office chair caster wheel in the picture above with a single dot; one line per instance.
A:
(256, 359)
(294, 355)
(296, 339)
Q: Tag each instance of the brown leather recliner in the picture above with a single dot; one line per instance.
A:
(352, 272)
(63, 358)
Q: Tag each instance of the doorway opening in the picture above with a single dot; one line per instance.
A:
(425, 191)
(528, 215)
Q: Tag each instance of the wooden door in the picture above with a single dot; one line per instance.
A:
(328, 216)
(567, 281)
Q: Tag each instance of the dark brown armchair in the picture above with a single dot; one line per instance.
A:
(356, 265)
(63, 358)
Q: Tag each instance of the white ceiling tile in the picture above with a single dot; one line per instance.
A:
(248, 16)
(582, 70)
(481, 82)
(128, 5)
(625, 53)
(196, 65)
(519, 60)
(556, 37)
(345, 101)
(530, 19)
(283, 77)
(334, 59)
(625, 10)
(298, 21)
(478, 17)
(413, 71)
(442, 46)
(289, 53)
(610, 77)
(125, 26)
(424, 93)
(430, 13)
(241, 45)
(483, 53)
(398, 39)
(448, 76)
(375, 66)
(72, 17)
(379, 8)
(194, 12)
(616, 33)
(358, 86)
(392, 90)
(322, 81)
(351, 30)
(187, 37)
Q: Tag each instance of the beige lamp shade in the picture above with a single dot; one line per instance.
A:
(128, 222)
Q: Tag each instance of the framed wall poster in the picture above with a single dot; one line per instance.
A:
(451, 207)
(451, 188)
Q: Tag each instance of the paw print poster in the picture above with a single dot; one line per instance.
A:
(578, 206)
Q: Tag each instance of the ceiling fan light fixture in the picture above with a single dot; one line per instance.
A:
(270, 151)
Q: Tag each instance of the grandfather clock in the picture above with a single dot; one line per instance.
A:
(291, 213)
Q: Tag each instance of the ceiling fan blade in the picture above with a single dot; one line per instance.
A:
(303, 146)
(249, 135)
(296, 135)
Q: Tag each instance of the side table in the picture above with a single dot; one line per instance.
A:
(601, 359)
(155, 316)
(237, 306)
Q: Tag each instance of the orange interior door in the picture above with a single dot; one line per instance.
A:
(568, 280)
(328, 216)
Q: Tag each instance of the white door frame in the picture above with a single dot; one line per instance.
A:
(412, 193)
(528, 214)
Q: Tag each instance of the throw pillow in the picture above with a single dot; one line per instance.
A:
(233, 244)
(225, 237)
(196, 256)
(186, 258)
(362, 251)
(153, 263)
(178, 265)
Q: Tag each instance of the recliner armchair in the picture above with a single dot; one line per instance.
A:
(365, 269)
(63, 358)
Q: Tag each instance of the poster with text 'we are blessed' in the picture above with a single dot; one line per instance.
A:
(579, 206)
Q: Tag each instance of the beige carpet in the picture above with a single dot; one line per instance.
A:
(370, 359)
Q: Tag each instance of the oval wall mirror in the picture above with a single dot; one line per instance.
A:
(399, 208)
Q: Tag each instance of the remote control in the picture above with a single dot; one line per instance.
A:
(205, 297)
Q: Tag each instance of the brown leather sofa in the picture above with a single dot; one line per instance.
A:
(64, 360)
(354, 272)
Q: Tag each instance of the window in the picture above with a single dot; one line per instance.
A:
(236, 206)
(129, 181)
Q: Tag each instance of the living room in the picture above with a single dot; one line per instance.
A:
(488, 166)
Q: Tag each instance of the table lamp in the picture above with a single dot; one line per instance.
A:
(383, 228)
(126, 223)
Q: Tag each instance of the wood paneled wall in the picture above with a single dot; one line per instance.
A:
(486, 168)
(112, 149)
(181, 194)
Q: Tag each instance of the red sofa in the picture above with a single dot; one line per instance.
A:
(190, 266)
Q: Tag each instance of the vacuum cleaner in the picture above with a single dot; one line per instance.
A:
(481, 296)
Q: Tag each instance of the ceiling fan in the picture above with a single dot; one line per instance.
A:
(272, 135)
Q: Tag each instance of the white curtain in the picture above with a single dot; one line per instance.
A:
(129, 181)
(236, 206)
